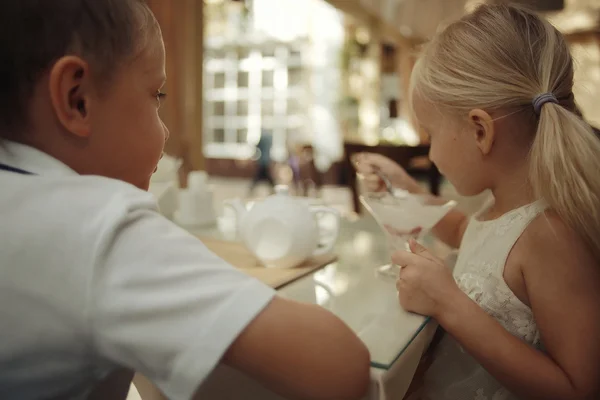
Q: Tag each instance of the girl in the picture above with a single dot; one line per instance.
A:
(522, 311)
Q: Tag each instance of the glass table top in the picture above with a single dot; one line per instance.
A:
(353, 290)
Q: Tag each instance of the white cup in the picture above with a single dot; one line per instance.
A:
(198, 181)
(195, 208)
(189, 206)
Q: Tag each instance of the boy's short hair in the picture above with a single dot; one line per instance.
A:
(36, 33)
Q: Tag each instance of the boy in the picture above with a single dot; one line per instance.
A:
(91, 277)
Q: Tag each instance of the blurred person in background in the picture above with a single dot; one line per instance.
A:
(263, 157)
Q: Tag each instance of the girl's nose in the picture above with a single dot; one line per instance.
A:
(167, 133)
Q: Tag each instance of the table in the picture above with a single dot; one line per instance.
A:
(350, 289)
(367, 302)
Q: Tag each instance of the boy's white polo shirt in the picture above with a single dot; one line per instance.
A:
(92, 276)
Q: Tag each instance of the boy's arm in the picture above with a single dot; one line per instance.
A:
(162, 304)
(302, 352)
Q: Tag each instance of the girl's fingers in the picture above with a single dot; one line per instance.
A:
(406, 258)
(360, 160)
(420, 250)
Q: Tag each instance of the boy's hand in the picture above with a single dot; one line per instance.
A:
(425, 285)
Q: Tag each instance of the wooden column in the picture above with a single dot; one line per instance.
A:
(585, 47)
(406, 58)
(370, 99)
(182, 27)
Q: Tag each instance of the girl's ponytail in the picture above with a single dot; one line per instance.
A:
(565, 170)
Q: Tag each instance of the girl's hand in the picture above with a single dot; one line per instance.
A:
(425, 285)
(367, 164)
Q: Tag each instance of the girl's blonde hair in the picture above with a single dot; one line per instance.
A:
(500, 57)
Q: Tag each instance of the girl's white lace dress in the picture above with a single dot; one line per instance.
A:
(454, 374)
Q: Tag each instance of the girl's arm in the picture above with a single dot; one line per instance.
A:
(563, 286)
(452, 227)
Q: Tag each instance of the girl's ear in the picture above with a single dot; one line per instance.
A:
(482, 126)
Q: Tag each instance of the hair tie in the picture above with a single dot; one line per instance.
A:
(541, 99)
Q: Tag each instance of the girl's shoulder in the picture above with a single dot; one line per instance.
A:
(550, 245)
(548, 231)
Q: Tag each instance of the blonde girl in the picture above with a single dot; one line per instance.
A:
(522, 307)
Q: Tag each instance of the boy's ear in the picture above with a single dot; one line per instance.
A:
(482, 126)
(70, 85)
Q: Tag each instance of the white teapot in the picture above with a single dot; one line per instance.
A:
(282, 231)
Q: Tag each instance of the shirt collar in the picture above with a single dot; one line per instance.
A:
(31, 160)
